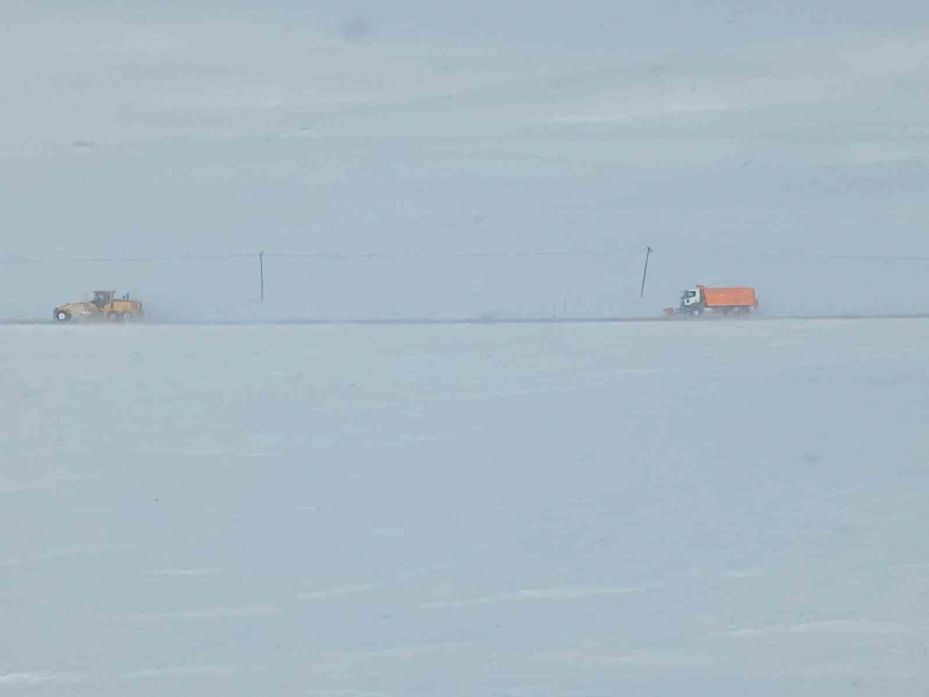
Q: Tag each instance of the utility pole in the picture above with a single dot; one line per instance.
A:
(648, 251)
(261, 273)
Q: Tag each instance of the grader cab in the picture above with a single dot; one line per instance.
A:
(104, 306)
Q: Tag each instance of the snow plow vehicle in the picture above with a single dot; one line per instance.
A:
(715, 301)
(104, 306)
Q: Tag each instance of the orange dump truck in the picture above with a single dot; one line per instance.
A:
(720, 301)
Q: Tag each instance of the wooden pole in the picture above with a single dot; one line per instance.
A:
(648, 251)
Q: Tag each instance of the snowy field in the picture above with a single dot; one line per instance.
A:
(699, 508)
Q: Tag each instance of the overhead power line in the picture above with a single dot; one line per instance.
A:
(844, 257)
(431, 255)
(421, 254)
(122, 259)
(446, 255)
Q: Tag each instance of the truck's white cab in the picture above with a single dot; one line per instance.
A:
(691, 299)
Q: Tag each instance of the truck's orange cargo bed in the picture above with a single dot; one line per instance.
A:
(729, 297)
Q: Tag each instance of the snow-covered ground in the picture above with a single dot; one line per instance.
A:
(718, 508)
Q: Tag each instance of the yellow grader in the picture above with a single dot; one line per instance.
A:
(104, 306)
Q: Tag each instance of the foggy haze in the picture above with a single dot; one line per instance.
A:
(464, 162)
(296, 495)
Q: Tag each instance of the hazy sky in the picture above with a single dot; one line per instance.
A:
(731, 138)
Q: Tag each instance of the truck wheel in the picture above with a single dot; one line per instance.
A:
(62, 316)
